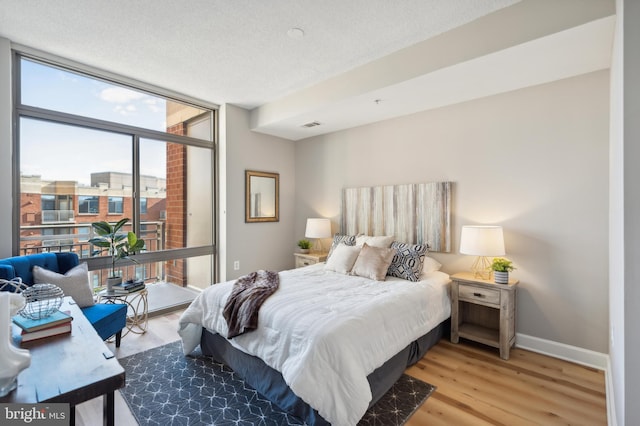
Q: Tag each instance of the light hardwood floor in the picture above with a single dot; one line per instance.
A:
(474, 386)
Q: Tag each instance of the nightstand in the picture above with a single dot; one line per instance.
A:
(306, 259)
(483, 311)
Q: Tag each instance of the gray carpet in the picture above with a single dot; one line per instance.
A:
(163, 387)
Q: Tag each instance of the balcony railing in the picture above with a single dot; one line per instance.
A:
(57, 216)
(38, 239)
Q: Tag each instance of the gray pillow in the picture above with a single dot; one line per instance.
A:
(373, 262)
(74, 283)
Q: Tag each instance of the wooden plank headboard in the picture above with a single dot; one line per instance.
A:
(414, 213)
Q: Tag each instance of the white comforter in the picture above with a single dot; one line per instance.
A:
(325, 331)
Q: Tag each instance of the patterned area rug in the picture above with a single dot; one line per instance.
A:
(166, 388)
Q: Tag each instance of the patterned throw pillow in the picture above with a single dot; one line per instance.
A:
(408, 261)
(347, 240)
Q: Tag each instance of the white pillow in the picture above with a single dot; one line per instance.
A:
(430, 265)
(342, 258)
(383, 241)
(74, 283)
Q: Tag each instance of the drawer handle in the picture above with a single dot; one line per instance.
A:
(478, 294)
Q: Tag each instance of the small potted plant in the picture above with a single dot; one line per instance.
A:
(117, 244)
(304, 246)
(501, 268)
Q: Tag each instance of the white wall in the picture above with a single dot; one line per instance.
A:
(533, 160)
(264, 245)
(5, 148)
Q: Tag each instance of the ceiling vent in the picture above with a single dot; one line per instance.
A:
(312, 124)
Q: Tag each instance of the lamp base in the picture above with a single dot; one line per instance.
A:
(317, 246)
(481, 268)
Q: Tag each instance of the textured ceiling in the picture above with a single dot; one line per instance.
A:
(231, 51)
(411, 55)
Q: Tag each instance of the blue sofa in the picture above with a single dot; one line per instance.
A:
(107, 318)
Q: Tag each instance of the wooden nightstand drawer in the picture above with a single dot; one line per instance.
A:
(479, 294)
(303, 260)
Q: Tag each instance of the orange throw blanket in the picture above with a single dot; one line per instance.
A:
(248, 294)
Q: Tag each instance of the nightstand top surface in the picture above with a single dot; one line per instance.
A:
(314, 254)
(470, 278)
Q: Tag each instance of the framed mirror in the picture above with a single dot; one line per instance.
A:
(262, 196)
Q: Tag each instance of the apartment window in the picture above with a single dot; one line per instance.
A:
(56, 208)
(48, 202)
(121, 152)
(116, 205)
(88, 204)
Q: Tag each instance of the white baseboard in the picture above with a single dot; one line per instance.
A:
(566, 352)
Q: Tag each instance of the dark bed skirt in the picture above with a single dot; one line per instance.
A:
(271, 384)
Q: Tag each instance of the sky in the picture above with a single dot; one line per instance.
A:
(63, 152)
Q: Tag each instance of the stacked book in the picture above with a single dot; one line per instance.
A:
(127, 287)
(33, 329)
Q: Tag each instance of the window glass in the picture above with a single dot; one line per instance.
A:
(65, 91)
(59, 162)
(71, 176)
(116, 205)
(88, 204)
(48, 202)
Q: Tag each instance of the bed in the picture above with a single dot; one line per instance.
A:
(328, 344)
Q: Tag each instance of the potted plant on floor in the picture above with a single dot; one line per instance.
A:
(501, 268)
(304, 246)
(117, 244)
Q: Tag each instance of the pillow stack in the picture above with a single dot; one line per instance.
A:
(378, 257)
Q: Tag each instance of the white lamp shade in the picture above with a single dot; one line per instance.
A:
(482, 241)
(318, 228)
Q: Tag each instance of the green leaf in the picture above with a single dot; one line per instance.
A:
(120, 224)
(102, 228)
(100, 243)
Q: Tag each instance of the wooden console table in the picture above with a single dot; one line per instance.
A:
(71, 368)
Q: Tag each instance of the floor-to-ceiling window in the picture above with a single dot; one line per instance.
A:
(90, 150)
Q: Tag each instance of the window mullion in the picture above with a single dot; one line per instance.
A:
(136, 184)
(94, 123)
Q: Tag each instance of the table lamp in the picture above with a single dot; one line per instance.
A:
(318, 228)
(482, 241)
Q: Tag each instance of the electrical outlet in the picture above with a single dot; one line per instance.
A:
(236, 265)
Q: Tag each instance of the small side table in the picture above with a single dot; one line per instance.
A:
(306, 259)
(137, 311)
(483, 311)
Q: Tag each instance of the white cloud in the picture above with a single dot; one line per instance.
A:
(152, 104)
(125, 109)
(120, 95)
